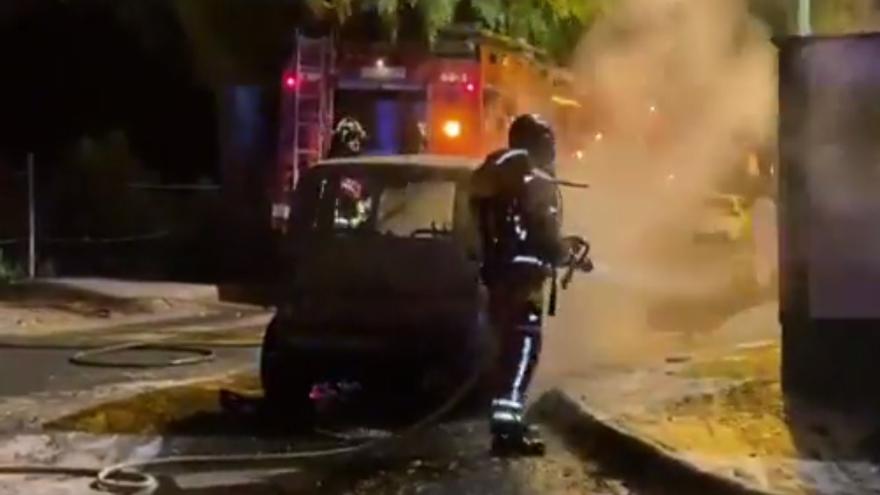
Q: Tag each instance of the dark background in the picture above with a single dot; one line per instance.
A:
(110, 93)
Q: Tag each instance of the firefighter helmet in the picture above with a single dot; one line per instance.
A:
(348, 137)
(531, 133)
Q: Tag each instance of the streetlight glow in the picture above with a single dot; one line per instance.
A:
(452, 128)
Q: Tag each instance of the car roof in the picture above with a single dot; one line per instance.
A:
(421, 160)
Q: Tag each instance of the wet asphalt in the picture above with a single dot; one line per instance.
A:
(27, 371)
(450, 457)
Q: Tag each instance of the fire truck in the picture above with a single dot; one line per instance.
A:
(457, 98)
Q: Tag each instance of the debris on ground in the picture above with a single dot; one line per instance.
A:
(725, 413)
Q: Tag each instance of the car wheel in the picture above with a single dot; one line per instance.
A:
(286, 382)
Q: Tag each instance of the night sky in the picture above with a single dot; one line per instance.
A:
(150, 68)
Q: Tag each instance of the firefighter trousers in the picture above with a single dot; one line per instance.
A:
(516, 312)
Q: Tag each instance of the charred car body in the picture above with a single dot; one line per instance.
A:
(381, 277)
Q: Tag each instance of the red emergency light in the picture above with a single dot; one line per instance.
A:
(291, 82)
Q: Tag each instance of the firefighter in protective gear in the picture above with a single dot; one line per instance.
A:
(515, 202)
(347, 139)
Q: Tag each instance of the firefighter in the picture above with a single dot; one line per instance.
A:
(515, 201)
(347, 139)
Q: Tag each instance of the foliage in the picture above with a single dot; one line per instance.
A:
(434, 14)
(9, 270)
(827, 16)
(778, 15)
(842, 16)
(555, 25)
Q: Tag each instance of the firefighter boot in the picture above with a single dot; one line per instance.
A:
(511, 436)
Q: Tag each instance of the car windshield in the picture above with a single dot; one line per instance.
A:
(401, 204)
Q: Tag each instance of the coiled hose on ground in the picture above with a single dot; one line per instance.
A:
(132, 478)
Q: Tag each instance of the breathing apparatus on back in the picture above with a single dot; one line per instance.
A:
(523, 215)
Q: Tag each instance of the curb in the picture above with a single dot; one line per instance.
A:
(177, 326)
(128, 291)
(136, 293)
(51, 288)
(612, 443)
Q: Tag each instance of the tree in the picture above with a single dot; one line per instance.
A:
(433, 14)
(555, 25)
(827, 16)
(843, 16)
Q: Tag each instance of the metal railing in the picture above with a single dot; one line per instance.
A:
(29, 240)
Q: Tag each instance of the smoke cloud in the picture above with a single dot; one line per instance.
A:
(684, 89)
(679, 92)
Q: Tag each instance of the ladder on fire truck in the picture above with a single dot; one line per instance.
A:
(306, 116)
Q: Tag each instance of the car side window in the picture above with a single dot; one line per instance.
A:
(326, 201)
(412, 207)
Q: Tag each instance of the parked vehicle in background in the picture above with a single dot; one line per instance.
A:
(723, 218)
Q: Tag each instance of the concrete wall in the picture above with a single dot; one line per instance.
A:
(830, 218)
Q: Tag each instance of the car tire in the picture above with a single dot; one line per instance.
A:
(286, 382)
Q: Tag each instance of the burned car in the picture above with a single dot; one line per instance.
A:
(381, 278)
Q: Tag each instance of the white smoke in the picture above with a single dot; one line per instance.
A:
(679, 91)
(684, 87)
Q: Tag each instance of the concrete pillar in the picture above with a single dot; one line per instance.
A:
(829, 217)
(247, 150)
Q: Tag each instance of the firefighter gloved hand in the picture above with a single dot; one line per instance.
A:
(585, 265)
(577, 251)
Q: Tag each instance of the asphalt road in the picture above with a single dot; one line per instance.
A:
(47, 370)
